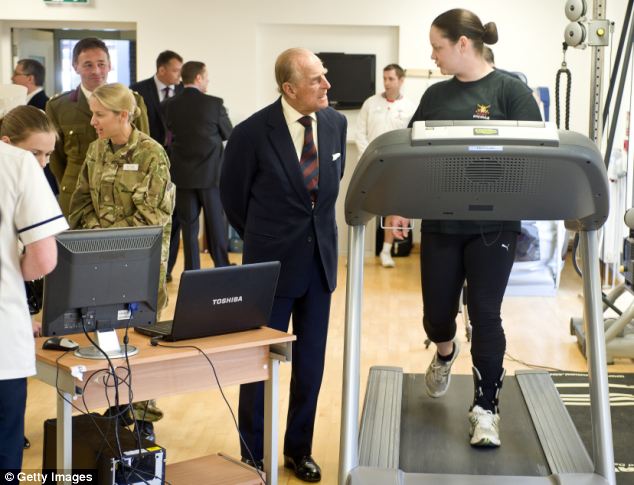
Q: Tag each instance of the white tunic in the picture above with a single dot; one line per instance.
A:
(28, 213)
(378, 116)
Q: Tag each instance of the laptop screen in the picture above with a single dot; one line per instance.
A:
(223, 300)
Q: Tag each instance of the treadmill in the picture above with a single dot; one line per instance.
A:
(475, 170)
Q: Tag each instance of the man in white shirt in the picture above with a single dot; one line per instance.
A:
(381, 113)
(29, 218)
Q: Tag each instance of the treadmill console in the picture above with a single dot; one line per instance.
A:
(485, 134)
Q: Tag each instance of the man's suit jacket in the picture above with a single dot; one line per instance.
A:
(265, 199)
(147, 89)
(199, 124)
(39, 100)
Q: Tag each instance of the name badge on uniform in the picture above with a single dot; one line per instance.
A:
(132, 167)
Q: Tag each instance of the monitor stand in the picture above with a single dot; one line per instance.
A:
(108, 341)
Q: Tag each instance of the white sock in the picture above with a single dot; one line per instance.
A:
(386, 248)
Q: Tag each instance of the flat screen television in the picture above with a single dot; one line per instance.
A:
(352, 78)
(105, 279)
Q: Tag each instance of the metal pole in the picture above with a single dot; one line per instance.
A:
(602, 445)
(349, 440)
(271, 420)
(596, 75)
(64, 435)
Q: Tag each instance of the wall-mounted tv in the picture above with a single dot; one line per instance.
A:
(352, 76)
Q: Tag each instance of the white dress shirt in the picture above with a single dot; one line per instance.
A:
(296, 129)
(161, 89)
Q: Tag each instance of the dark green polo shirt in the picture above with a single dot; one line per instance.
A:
(497, 96)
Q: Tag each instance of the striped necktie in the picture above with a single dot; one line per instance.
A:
(309, 162)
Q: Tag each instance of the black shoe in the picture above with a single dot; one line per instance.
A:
(168, 277)
(259, 464)
(27, 443)
(304, 467)
(146, 430)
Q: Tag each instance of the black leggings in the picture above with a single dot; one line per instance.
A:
(485, 261)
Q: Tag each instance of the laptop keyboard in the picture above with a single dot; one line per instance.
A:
(163, 327)
(160, 328)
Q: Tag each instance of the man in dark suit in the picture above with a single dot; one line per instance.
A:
(154, 90)
(279, 185)
(30, 74)
(198, 124)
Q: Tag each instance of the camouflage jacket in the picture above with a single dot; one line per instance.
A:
(129, 187)
(71, 115)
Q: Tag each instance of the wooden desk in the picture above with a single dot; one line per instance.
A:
(238, 358)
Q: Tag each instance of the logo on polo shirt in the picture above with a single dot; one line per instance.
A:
(482, 112)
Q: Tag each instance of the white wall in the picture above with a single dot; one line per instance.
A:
(225, 34)
(236, 38)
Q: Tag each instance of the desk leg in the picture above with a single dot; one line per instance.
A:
(64, 434)
(271, 408)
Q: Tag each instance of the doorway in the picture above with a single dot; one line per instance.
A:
(54, 49)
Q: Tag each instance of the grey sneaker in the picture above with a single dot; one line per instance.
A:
(438, 375)
(485, 427)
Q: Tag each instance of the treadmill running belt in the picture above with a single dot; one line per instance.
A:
(435, 432)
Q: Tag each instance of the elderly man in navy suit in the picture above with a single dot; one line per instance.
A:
(279, 185)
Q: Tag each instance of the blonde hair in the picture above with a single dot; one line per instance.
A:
(117, 98)
(22, 121)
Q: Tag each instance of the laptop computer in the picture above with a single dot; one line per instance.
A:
(218, 301)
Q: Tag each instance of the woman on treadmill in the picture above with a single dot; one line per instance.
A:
(480, 252)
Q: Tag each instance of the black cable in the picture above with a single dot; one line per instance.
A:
(532, 366)
(575, 247)
(619, 94)
(94, 418)
(130, 407)
(116, 386)
(155, 342)
(575, 265)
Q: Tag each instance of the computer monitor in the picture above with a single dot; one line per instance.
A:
(105, 279)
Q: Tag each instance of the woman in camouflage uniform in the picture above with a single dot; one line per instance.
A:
(124, 181)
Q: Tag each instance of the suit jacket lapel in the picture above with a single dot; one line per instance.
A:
(283, 145)
(156, 99)
(327, 174)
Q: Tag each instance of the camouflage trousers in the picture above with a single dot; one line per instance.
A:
(165, 250)
(146, 411)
